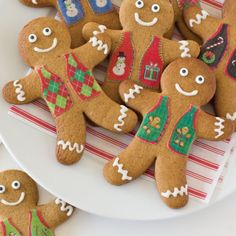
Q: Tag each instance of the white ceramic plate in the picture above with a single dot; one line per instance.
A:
(81, 185)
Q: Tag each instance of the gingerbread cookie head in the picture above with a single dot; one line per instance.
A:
(193, 83)
(42, 39)
(17, 190)
(156, 15)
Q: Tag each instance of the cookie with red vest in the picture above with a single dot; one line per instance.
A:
(19, 210)
(172, 120)
(64, 79)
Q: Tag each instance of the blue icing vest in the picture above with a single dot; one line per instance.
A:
(101, 6)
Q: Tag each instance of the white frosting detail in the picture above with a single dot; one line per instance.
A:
(123, 115)
(102, 29)
(121, 170)
(19, 91)
(131, 93)
(220, 126)
(77, 147)
(144, 23)
(187, 94)
(20, 200)
(99, 44)
(199, 18)
(184, 47)
(64, 207)
(42, 50)
(183, 190)
(35, 2)
(231, 117)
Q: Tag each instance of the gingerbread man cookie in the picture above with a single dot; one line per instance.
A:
(172, 120)
(76, 13)
(219, 52)
(139, 51)
(19, 209)
(64, 79)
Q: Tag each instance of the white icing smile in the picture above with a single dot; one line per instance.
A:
(145, 23)
(42, 50)
(20, 200)
(188, 94)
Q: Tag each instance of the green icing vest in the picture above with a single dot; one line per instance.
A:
(154, 122)
(8, 229)
(184, 132)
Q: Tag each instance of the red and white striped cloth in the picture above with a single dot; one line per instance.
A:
(206, 161)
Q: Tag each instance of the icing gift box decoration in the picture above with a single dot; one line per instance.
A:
(172, 120)
(19, 210)
(76, 13)
(141, 44)
(64, 79)
(218, 52)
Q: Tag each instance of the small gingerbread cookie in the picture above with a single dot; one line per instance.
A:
(76, 13)
(64, 79)
(218, 52)
(172, 120)
(19, 209)
(139, 51)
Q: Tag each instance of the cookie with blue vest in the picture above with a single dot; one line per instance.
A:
(172, 120)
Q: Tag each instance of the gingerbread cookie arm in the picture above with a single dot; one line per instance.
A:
(39, 3)
(213, 128)
(71, 136)
(229, 10)
(55, 212)
(181, 49)
(23, 91)
(200, 22)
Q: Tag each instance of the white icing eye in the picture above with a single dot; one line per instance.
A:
(139, 4)
(183, 72)
(32, 38)
(200, 79)
(155, 8)
(15, 184)
(2, 189)
(47, 31)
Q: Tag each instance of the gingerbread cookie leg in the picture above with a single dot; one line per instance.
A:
(71, 134)
(170, 174)
(130, 164)
(38, 3)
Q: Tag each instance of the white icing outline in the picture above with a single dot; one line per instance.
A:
(121, 170)
(131, 93)
(184, 48)
(102, 29)
(199, 18)
(64, 208)
(187, 94)
(99, 44)
(19, 201)
(123, 115)
(231, 117)
(43, 50)
(35, 2)
(183, 190)
(220, 126)
(144, 23)
(67, 145)
(19, 91)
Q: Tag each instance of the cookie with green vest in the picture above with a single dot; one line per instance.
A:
(140, 52)
(76, 13)
(64, 79)
(172, 120)
(19, 210)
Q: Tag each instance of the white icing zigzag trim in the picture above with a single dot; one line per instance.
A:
(123, 115)
(102, 29)
(220, 126)
(64, 207)
(199, 18)
(184, 47)
(183, 190)
(77, 147)
(121, 170)
(19, 91)
(99, 44)
(231, 117)
(144, 23)
(131, 93)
